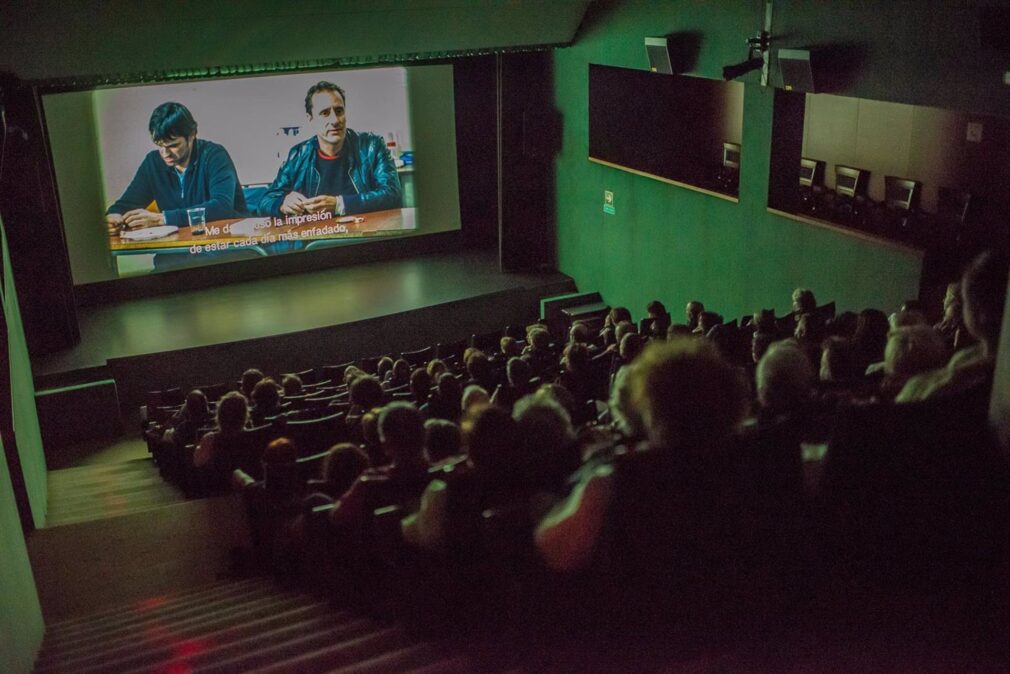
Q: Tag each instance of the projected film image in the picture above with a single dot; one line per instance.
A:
(204, 172)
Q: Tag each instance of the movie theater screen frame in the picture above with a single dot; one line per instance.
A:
(99, 137)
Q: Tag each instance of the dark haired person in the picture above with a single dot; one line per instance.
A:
(657, 320)
(248, 381)
(231, 416)
(338, 170)
(184, 172)
(266, 399)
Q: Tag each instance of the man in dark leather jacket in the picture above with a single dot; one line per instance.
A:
(338, 170)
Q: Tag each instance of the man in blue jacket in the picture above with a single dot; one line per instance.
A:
(338, 170)
(184, 172)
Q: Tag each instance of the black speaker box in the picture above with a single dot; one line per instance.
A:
(797, 70)
(659, 55)
(994, 28)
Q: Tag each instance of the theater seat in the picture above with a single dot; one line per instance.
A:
(911, 496)
(214, 392)
(335, 373)
(451, 351)
(418, 357)
(309, 467)
(488, 342)
(316, 435)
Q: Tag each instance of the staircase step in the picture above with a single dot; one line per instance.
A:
(153, 634)
(154, 606)
(305, 652)
(214, 656)
(420, 655)
(149, 475)
(131, 622)
(447, 665)
(223, 640)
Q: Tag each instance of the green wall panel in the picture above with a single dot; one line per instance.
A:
(22, 387)
(21, 626)
(674, 244)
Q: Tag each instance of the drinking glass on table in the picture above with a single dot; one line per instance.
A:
(197, 220)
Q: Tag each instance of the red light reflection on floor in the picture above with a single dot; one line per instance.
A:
(152, 603)
(181, 653)
(189, 648)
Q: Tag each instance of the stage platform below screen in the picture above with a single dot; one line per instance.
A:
(294, 322)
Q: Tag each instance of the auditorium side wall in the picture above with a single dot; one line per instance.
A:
(674, 244)
(21, 626)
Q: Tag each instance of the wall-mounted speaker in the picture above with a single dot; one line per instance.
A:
(797, 70)
(659, 55)
(994, 28)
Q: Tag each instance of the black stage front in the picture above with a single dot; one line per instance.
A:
(295, 322)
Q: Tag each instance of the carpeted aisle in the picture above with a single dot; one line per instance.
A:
(96, 491)
(237, 626)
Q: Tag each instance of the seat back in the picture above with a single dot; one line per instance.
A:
(316, 435)
(310, 376)
(310, 467)
(418, 357)
(488, 342)
(908, 491)
(214, 392)
(451, 351)
(169, 397)
(370, 364)
(335, 373)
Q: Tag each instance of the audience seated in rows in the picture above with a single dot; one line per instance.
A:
(656, 492)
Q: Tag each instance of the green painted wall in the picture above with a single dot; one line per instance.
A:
(21, 626)
(26, 420)
(673, 244)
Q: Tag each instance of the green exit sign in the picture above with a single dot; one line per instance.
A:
(608, 202)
